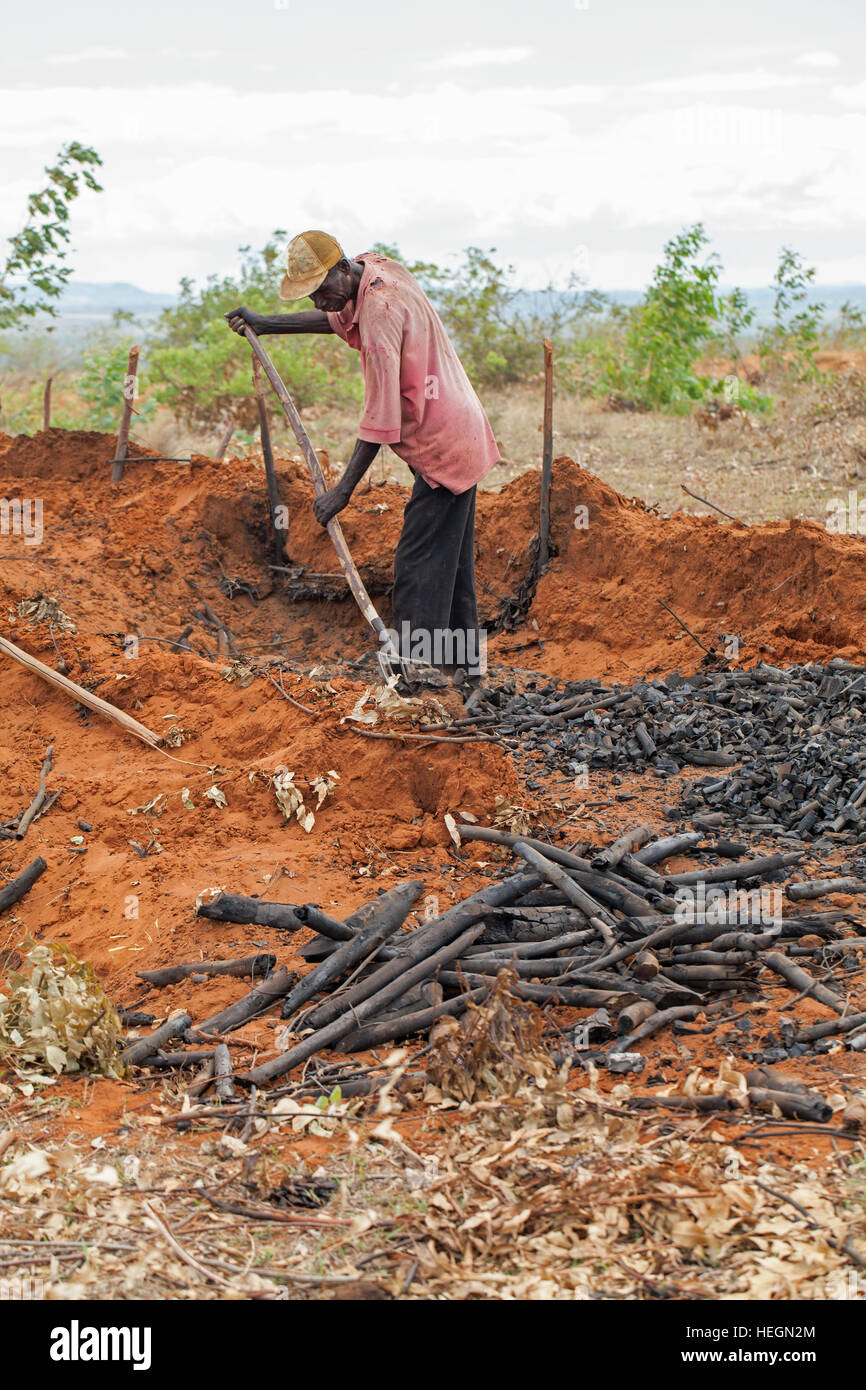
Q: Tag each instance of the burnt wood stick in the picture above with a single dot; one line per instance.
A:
(389, 1030)
(362, 917)
(720, 957)
(560, 993)
(729, 849)
(669, 931)
(666, 848)
(618, 893)
(609, 887)
(176, 1061)
(172, 974)
(135, 1052)
(348, 1021)
(633, 1016)
(646, 966)
(653, 1024)
(223, 1073)
(597, 915)
(659, 993)
(641, 873)
(831, 1026)
(526, 950)
(818, 887)
(427, 938)
(352, 952)
(774, 1080)
(699, 974)
(383, 905)
(732, 924)
(202, 1081)
(801, 981)
(626, 844)
(232, 907)
(15, 889)
(750, 868)
(258, 1001)
(733, 944)
(792, 1106)
(540, 969)
(39, 799)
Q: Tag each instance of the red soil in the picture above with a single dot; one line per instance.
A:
(136, 557)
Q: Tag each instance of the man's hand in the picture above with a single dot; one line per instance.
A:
(239, 318)
(327, 506)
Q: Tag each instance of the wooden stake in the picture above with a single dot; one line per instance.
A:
(546, 459)
(225, 442)
(335, 531)
(128, 398)
(46, 404)
(78, 692)
(270, 470)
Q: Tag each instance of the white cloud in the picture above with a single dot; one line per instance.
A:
(759, 80)
(854, 96)
(546, 170)
(482, 57)
(818, 58)
(87, 55)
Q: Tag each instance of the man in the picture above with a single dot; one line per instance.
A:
(419, 400)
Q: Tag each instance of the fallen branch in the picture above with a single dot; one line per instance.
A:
(11, 892)
(78, 693)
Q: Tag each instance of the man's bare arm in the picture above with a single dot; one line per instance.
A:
(327, 506)
(306, 321)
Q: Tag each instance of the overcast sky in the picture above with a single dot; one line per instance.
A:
(566, 133)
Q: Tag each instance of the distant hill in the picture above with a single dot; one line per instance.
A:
(90, 299)
(760, 299)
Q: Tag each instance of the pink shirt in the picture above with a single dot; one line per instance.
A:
(417, 397)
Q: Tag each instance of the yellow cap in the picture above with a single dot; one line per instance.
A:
(309, 257)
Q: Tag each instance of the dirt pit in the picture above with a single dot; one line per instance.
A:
(137, 834)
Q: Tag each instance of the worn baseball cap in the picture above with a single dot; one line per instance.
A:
(309, 257)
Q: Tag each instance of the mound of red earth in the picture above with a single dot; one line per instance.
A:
(136, 559)
(139, 556)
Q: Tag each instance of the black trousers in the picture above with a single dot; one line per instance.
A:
(434, 577)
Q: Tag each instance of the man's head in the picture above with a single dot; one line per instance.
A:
(317, 268)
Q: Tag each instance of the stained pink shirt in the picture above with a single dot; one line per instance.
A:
(417, 397)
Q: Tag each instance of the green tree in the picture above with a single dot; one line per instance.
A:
(34, 276)
(792, 340)
(496, 339)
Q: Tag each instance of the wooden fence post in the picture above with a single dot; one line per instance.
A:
(128, 398)
(225, 442)
(46, 404)
(270, 470)
(546, 459)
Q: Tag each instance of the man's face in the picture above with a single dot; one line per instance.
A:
(336, 289)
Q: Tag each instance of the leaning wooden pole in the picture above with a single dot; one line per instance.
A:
(270, 468)
(46, 404)
(128, 399)
(335, 530)
(546, 459)
(78, 692)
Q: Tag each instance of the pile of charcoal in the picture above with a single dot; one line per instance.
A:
(643, 949)
(787, 748)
